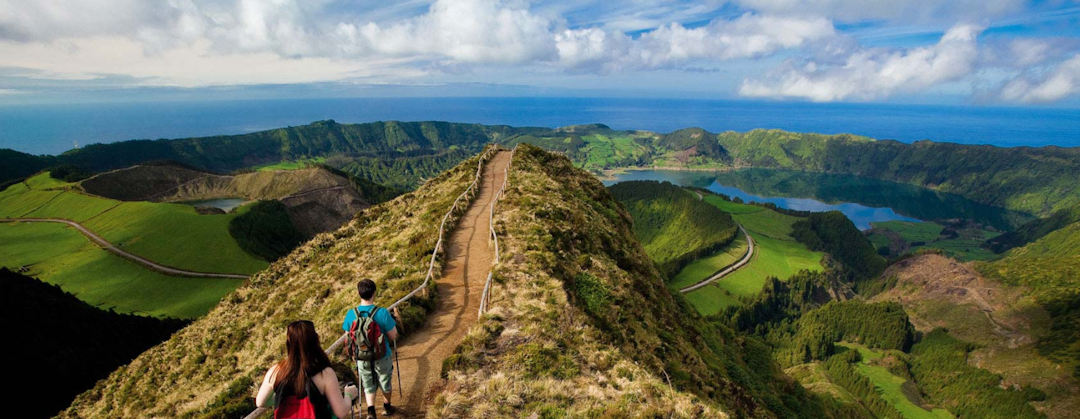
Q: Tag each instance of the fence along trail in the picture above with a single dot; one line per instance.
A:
(469, 260)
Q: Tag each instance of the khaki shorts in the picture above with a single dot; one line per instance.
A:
(384, 373)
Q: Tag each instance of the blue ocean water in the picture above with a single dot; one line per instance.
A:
(50, 129)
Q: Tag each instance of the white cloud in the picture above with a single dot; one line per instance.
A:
(748, 36)
(873, 73)
(475, 31)
(1060, 82)
(892, 10)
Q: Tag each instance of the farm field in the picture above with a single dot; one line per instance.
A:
(704, 267)
(927, 235)
(604, 152)
(60, 255)
(171, 234)
(890, 386)
(776, 254)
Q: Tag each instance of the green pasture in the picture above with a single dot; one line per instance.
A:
(705, 267)
(602, 151)
(967, 247)
(290, 165)
(776, 254)
(170, 234)
(60, 255)
(891, 387)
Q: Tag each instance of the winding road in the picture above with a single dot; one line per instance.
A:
(100, 241)
(731, 268)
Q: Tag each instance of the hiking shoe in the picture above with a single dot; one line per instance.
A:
(388, 410)
(370, 413)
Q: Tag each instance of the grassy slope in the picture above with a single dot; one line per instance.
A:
(962, 248)
(171, 234)
(1050, 268)
(890, 386)
(674, 226)
(706, 266)
(244, 334)
(553, 331)
(777, 254)
(60, 255)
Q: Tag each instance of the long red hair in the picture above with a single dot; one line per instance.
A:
(305, 358)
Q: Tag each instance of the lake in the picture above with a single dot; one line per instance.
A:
(862, 200)
(226, 204)
(53, 129)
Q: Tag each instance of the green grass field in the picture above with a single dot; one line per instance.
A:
(175, 235)
(290, 165)
(60, 255)
(704, 267)
(171, 234)
(776, 254)
(890, 386)
(967, 247)
(602, 151)
(74, 206)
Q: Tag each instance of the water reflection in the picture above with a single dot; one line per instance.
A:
(863, 200)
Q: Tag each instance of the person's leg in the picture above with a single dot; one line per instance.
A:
(384, 370)
(368, 382)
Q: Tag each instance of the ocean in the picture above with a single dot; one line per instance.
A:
(52, 129)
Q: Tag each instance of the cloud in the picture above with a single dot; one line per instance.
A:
(1060, 82)
(748, 36)
(873, 73)
(908, 11)
(474, 31)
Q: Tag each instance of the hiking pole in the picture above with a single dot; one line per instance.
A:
(397, 366)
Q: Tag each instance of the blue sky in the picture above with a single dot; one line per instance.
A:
(977, 52)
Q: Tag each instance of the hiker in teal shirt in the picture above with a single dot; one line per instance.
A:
(380, 378)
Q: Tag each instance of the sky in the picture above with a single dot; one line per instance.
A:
(967, 52)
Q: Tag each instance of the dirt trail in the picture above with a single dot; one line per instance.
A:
(469, 258)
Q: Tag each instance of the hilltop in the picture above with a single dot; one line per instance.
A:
(1036, 181)
(570, 256)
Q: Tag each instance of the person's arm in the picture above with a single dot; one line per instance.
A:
(266, 390)
(391, 325)
(328, 384)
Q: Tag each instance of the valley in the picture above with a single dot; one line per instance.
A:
(833, 276)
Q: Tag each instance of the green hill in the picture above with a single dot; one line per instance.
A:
(1037, 181)
(673, 225)
(570, 257)
(65, 345)
(1050, 268)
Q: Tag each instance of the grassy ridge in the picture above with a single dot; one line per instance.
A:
(777, 255)
(60, 255)
(1050, 267)
(576, 257)
(674, 226)
(1031, 180)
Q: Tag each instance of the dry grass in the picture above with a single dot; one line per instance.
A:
(541, 352)
(190, 375)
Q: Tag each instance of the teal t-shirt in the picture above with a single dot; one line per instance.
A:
(382, 318)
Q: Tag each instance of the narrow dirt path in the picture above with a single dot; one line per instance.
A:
(469, 259)
(728, 270)
(100, 241)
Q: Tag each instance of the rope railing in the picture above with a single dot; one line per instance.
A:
(466, 195)
(484, 296)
